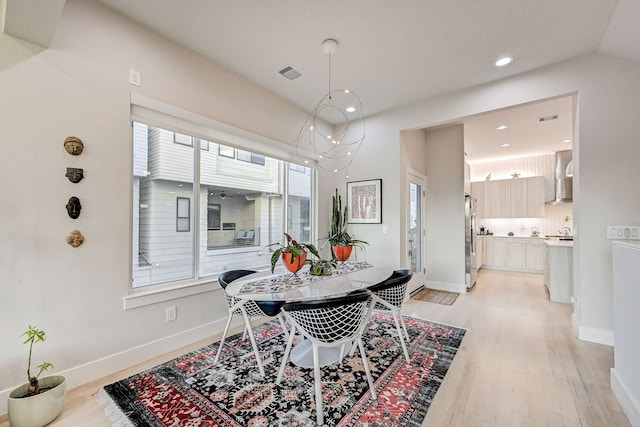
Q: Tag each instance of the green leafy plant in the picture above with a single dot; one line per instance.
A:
(34, 335)
(321, 267)
(293, 247)
(338, 235)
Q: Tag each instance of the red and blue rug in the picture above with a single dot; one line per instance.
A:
(193, 391)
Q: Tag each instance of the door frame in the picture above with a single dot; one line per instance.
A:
(419, 278)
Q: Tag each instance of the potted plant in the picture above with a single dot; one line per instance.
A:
(293, 253)
(321, 267)
(342, 243)
(40, 400)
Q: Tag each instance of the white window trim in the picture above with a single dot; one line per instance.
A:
(169, 117)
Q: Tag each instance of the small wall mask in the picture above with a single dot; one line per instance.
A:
(75, 238)
(73, 207)
(75, 175)
(73, 145)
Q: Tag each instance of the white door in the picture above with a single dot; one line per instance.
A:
(415, 257)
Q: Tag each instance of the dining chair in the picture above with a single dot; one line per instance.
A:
(389, 295)
(328, 323)
(248, 309)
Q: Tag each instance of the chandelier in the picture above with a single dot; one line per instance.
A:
(328, 131)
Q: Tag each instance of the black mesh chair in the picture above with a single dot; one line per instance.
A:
(389, 295)
(328, 323)
(247, 309)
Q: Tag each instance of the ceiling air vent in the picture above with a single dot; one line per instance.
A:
(547, 118)
(290, 72)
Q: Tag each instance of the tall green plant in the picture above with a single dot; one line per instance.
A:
(34, 335)
(338, 235)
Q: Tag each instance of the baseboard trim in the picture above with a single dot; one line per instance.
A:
(107, 365)
(627, 401)
(598, 336)
(447, 286)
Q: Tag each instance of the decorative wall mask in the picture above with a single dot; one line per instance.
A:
(73, 145)
(75, 238)
(75, 175)
(73, 207)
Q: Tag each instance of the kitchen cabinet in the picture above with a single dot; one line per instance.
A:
(558, 270)
(515, 254)
(497, 198)
(477, 192)
(497, 252)
(535, 197)
(480, 251)
(535, 255)
(514, 198)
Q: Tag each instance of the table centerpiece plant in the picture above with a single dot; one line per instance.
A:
(292, 252)
(342, 243)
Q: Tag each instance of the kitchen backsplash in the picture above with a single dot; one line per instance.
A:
(557, 217)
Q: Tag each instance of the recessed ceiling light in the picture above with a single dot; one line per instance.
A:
(501, 127)
(566, 141)
(504, 61)
(505, 145)
(350, 109)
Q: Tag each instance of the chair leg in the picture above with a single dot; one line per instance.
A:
(404, 327)
(318, 384)
(401, 335)
(253, 341)
(365, 362)
(285, 357)
(224, 335)
(283, 324)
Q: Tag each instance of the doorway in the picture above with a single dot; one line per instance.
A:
(415, 255)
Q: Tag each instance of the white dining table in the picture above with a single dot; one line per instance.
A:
(256, 287)
(288, 289)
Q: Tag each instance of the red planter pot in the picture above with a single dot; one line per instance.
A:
(342, 252)
(297, 263)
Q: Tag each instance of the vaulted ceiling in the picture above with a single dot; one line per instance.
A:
(390, 53)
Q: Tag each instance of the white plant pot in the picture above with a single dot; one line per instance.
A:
(38, 410)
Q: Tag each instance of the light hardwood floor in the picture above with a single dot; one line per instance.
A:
(519, 364)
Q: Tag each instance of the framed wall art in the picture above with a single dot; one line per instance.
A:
(364, 201)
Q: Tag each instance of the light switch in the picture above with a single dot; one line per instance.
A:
(385, 229)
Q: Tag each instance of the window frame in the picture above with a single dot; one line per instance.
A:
(166, 116)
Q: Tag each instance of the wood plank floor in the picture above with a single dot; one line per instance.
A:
(519, 364)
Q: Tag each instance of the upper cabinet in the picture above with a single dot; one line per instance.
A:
(477, 193)
(511, 198)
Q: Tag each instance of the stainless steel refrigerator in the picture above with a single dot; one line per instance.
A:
(470, 242)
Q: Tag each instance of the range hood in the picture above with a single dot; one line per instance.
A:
(563, 178)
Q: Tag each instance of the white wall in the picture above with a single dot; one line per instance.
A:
(445, 216)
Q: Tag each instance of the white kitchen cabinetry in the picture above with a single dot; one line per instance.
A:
(535, 197)
(477, 192)
(514, 198)
(497, 198)
(497, 252)
(535, 255)
(515, 254)
(480, 251)
(558, 271)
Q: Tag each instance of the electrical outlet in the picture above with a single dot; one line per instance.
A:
(171, 313)
(134, 78)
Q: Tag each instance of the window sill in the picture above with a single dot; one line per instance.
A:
(143, 298)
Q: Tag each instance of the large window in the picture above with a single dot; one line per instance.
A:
(201, 207)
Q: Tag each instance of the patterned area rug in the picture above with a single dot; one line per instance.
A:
(193, 391)
(435, 296)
